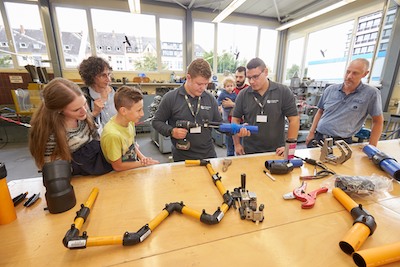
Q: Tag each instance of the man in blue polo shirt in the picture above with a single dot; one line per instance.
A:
(343, 108)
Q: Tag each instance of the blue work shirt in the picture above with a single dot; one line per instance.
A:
(344, 115)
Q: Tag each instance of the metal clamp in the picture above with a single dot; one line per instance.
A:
(327, 151)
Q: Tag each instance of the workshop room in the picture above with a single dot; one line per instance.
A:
(200, 133)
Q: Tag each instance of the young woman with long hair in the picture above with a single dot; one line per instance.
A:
(62, 129)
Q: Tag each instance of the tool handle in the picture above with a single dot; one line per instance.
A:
(197, 162)
(235, 128)
(315, 193)
(243, 181)
(18, 199)
(186, 124)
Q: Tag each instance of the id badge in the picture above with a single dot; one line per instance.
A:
(195, 130)
(261, 118)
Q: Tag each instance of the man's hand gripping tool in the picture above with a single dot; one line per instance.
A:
(308, 199)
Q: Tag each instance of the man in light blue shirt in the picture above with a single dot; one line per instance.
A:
(343, 108)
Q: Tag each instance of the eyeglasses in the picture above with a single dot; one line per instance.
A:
(105, 75)
(255, 77)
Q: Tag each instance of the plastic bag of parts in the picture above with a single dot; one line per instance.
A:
(362, 186)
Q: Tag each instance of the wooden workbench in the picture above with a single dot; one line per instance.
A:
(288, 236)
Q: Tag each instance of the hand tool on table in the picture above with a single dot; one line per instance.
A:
(269, 175)
(327, 151)
(308, 199)
(317, 174)
(32, 200)
(18, 199)
(247, 202)
(225, 164)
(282, 166)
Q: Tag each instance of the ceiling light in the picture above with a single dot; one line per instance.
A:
(134, 6)
(314, 15)
(228, 10)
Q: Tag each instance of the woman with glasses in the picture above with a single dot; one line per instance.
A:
(266, 104)
(96, 73)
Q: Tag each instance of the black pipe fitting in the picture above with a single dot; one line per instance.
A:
(72, 240)
(204, 162)
(228, 199)
(379, 157)
(174, 206)
(135, 238)
(362, 216)
(83, 213)
(60, 194)
(212, 219)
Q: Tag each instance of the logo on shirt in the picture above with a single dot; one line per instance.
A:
(272, 101)
(205, 107)
(130, 155)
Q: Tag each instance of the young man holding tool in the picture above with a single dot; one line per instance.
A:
(191, 103)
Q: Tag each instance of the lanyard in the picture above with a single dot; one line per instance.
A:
(261, 105)
(191, 107)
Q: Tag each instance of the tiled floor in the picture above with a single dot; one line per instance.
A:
(18, 161)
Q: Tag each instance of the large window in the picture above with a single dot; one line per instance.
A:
(376, 72)
(236, 46)
(267, 50)
(5, 57)
(327, 53)
(171, 36)
(74, 35)
(294, 58)
(204, 41)
(127, 41)
(27, 34)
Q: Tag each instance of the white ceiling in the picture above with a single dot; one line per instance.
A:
(281, 10)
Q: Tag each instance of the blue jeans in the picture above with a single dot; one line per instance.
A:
(230, 148)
